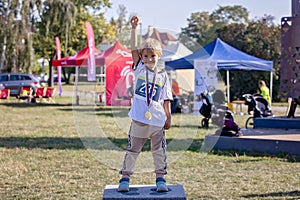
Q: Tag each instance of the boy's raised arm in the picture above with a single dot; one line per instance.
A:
(133, 40)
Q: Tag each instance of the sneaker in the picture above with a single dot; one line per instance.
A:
(161, 185)
(123, 185)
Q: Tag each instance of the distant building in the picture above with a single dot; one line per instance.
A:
(164, 38)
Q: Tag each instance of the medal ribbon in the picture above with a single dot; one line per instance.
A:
(149, 97)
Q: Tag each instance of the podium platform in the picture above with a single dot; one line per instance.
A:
(277, 122)
(262, 140)
(271, 135)
(144, 192)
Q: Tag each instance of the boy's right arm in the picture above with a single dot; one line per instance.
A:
(133, 40)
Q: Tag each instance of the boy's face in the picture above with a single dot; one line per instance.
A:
(150, 58)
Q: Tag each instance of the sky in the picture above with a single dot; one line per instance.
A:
(172, 15)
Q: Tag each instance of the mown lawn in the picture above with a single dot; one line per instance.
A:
(61, 151)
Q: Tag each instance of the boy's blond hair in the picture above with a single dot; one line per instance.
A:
(153, 45)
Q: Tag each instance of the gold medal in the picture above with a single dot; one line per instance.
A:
(148, 115)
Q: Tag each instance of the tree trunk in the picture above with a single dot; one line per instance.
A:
(2, 57)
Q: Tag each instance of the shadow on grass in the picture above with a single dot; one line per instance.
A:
(90, 143)
(236, 153)
(193, 126)
(291, 195)
(96, 143)
(26, 105)
(100, 111)
(83, 108)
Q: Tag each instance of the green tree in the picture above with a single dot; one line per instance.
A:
(32, 25)
(121, 21)
(56, 18)
(229, 14)
(260, 38)
(19, 18)
(27, 27)
(202, 26)
(8, 14)
(199, 30)
(66, 20)
(121, 26)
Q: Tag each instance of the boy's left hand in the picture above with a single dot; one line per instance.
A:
(167, 123)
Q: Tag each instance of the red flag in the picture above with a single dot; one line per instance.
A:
(91, 46)
(58, 55)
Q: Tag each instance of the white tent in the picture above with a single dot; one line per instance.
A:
(175, 51)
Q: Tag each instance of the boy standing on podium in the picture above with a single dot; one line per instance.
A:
(150, 111)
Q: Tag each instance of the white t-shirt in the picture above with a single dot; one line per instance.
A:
(162, 91)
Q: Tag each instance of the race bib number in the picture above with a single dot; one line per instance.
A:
(141, 89)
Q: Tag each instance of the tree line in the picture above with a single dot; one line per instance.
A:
(259, 37)
(32, 25)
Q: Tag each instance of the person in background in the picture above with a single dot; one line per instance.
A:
(24, 94)
(150, 112)
(264, 91)
(175, 104)
(175, 88)
(46, 77)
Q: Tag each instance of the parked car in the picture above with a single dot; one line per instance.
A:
(40, 78)
(55, 78)
(14, 81)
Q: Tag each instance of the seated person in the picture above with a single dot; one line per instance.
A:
(25, 93)
(175, 88)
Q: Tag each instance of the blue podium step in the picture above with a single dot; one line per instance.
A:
(144, 192)
(277, 122)
(264, 141)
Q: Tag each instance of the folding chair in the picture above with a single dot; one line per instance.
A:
(4, 94)
(49, 94)
(40, 92)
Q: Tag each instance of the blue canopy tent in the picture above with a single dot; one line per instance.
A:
(227, 57)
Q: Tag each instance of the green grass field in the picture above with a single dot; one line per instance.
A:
(61, 151)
